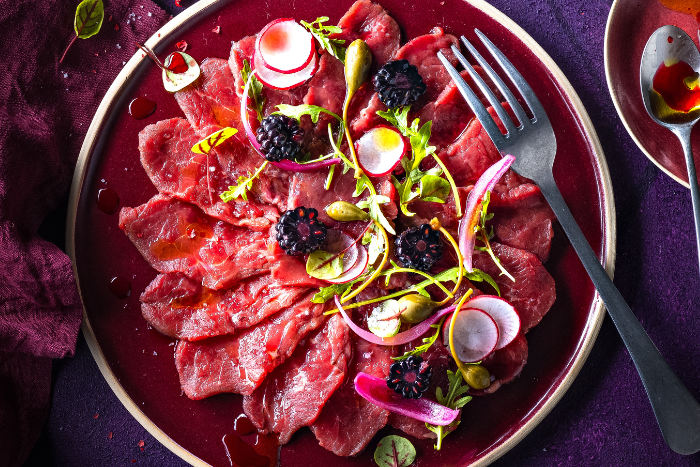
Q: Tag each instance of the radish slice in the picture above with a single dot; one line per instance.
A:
(503, 313)
(285, 46)
(475, 335)
(339, 242)
(380, 150)
(401, 338)
(375, 390)
(285, 164)
(282, 81)
(355, 271)
(467, 236)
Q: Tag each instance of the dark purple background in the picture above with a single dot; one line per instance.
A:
(605, 418)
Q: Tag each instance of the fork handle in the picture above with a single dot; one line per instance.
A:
(676, 411)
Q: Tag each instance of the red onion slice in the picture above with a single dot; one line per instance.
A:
(402, 337)
(285, 164)
(467, 236)
(376, 391)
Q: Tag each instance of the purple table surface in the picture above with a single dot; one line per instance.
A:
(605, 418)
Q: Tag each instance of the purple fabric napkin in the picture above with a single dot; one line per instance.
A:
(45, 112)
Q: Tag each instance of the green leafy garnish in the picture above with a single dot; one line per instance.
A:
(324, 265)
(244, 184)
(373, 202)
(427, 342)
(450, 401)
(394, 451)
(326, 293)
(88, 21)
(480, 276)
(485, 235)
(384, 320)
(298, 111)
(321, 33)
(375, 242)
(255, 90)
(434, 188)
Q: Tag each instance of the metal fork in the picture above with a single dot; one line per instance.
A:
(534, 145)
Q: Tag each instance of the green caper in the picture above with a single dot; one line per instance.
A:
(476, 376)
(345, 212)
(415, 308)
(358, 61)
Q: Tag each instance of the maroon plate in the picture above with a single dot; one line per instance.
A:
(138, 362)
(629, 26)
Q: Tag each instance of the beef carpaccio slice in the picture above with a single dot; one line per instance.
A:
(182, 308)
(293, 395)
(348, 422)
(167, 157)
(504, 365)
(240, 363)
(533, 292)
(174, 236)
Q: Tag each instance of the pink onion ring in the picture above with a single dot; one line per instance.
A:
(284, 164)
(402, 337)
(376, 391)
(467, 236)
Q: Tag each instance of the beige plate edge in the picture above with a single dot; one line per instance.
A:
(595, 319)
(616, 101)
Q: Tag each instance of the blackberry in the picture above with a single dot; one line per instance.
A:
(299, 231)
(398, 83)
(419, 247)
(410, 377)
(280, 138)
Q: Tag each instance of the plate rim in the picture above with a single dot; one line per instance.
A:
(597, 310)
(616, 101)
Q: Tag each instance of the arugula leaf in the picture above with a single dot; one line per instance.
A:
(244, 184)
(88, 21)
(455, 390)
(394, 451)
(321, 33)
(433, 188)
(297, 111)
(427, 343)
(373, 202)
(324, 265)
(480, 276)
(255, 90)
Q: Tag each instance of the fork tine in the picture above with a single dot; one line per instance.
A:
(495, 102)
(515, 76)
(477, 107)
(510, 98)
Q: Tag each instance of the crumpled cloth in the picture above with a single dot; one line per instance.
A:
(45, 111)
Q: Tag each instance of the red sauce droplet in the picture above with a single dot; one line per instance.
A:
(120, 287)
(176, 63)
(243, 426)
(242, 454)
(141, 108)
(107, 200)
(670, 40)
(670, 83)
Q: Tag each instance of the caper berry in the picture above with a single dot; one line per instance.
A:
(345, 212)
(358, 61)
(415, 308)
(476, 376)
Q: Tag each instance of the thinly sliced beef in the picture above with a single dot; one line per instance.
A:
(174, 236)
(421, 52)
(528, 229)
(240, 363)
(180, 307)
(213, 103)
(371, 23)
(348, 422)
(533, 292)
(291, 270)
(167, 157)
(504, 365)
(293, 395)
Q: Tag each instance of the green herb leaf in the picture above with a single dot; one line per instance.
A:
(321, 33)
(244, 184)
(375, 240)
(255, 90)
(297, 111)
(213, 140)
(373, 202)
(394, 451)
(434, 189)
(88, 18)
(324, 265)
(397, 117)
(480, 276)
(450, 401)
(326, 293)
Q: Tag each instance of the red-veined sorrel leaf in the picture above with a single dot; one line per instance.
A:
(88, 21)
(394, 451)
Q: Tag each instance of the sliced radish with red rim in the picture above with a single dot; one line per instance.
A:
(355, 257)
(282, 81)
(285, 46)
(380, 150)
(503, 313)
(475, 335)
